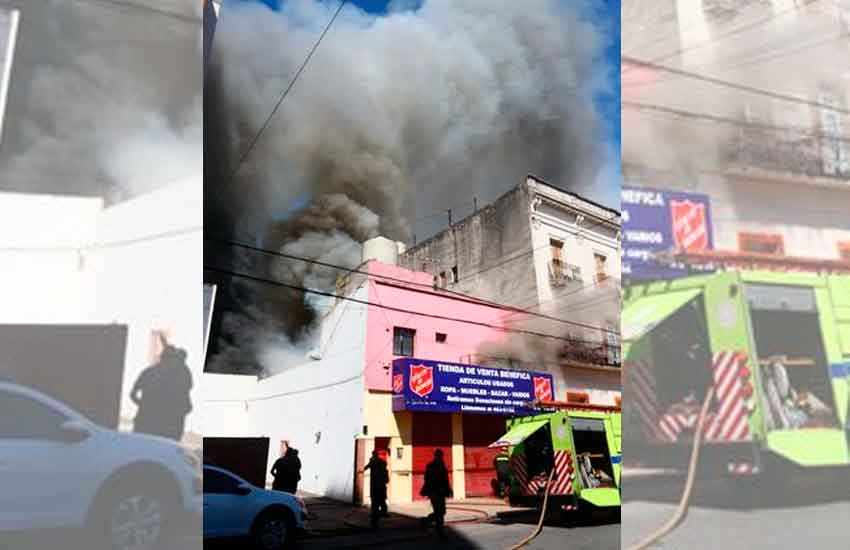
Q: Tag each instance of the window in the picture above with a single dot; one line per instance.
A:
(216, 482)
(844, 251)
(578, 397)
(612, 344)
(557, 250)
(601, 267)
(455, 278)
(761, 243)
(403, 341)
(24, 418)
(441, 338)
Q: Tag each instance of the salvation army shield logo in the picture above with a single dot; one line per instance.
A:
(398, 383)
(690, 228)
(421, 380)
(542, 388)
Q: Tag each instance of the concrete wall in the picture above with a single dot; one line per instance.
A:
(42, 280)
(224, 409)
(383, 422)
(149, 278)
(68, 260)
(812, 228)
(491, 249)
(462, 339)
(318, 406)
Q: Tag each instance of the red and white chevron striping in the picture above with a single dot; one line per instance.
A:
(562, 483)
(642, 399)
(730, 422)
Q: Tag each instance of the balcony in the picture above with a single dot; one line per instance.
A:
(561, 274)
(787, 153)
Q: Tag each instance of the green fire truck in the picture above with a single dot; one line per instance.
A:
(774, 346)
(581, 443)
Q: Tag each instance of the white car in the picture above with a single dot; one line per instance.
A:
(235, 508)
(60, 470)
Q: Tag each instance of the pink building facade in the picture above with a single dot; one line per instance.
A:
(409, 318)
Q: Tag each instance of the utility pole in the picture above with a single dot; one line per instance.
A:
(475, 204)
(450, 216)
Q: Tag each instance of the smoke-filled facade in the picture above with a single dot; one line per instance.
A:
(396, 115)
(101, 102)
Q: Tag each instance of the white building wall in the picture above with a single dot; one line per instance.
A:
(224, 409)
(812, 220)
(584, 302)
(318, 406)
(149, 276)
(41, 280)
(68, 260)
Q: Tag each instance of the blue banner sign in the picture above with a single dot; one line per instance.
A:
(660, 221)
(437, 386)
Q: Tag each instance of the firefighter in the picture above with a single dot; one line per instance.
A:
(503, 476)
(437, 489)
(378, 487)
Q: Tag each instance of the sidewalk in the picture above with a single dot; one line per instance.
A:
(330, 517)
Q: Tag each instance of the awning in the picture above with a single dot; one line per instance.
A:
(519, 433)
(644, 314)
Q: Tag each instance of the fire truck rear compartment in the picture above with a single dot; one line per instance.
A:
(791, 342)
(592, 455)
(682, 357)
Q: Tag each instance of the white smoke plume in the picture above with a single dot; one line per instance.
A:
(104, 98)
(409, 112)
(532, 352)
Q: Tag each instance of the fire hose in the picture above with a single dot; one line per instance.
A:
(684, 503)
(539, 526)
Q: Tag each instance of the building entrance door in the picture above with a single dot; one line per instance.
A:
(431, 431)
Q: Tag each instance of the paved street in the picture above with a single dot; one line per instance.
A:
(484, 536)
(809, 512)
(601, 533)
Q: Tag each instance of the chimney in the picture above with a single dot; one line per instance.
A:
(381, 249)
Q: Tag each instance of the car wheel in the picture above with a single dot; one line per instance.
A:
(273, 530)
(131, 519)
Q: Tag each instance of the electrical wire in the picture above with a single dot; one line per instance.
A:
(803, 132)
(723, 36)
(391, 308)
(759, 58)
(127, 5)
(734, 85)
(105, 244)
(285, 93)
(400, 281)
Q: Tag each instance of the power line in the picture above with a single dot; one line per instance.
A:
(127, 5)
(285, 93)
(759, 58)
(391, 308)
(735, 86)
(103, 245)
(398, 280)
(722, 36)
(804, 132)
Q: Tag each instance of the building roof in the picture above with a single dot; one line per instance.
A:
(574, 195)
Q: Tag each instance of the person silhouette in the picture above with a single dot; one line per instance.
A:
(378, 487)
(161, 393)
(437, 489)
(287, 472)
